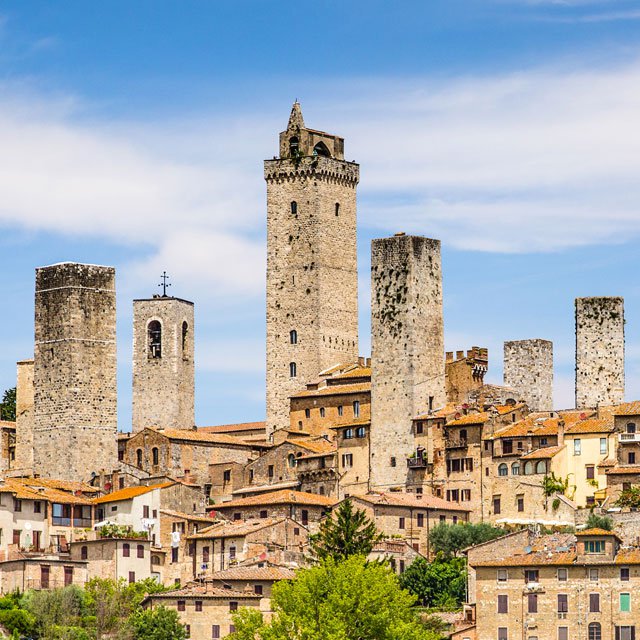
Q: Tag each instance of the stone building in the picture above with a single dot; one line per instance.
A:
(163, 363)
(74, 416)
(465, 373)
(528, 367)
(312, 281)
(625, 470)
(599, 351)
(555, 586)
(257, 578)
(407, 349)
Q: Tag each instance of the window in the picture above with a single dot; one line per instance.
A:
(139, 458)
(541, 467)
(595, 631)
(68, 576)
(532, 602)
(624, 574)
(563, 575)
(37, 507)
(419, 428)
(625, 602)
(392, 462)
(594, 602)
(307, 413)
(264, 514)
(185, 333)
(17, 505)
(187, 630)
(340, 409)
(503, 634)
(181, 605)
(233, 606)
(132, 577)
(84, 552)
(631, 457)
(155, 455)
(154, 335)
(361, 432)
(145, 511)
(215, 631)
(625, 633)
(44, 576)
(293, 336)
(232, 553)
(603, 445)
(205, 554)
(503, 470)
(294, 204)
(577, 447)
(322, 412)
(563, 603)
(528, 468)
(503, 575)
(503, 604)
(531, 575)
(305, 517)
(356, 408)
(520, 502)
(496, 505)
(563, 633)
(507, 446)
(631, 427)
(593, 575)
(591, 471)
(291, 460)
(347, 460)
(337, 208)
(293, 370)
(515, 469)
(594, 546)
(420, 520)
(401, 523)
(270, 472)
(140, 551)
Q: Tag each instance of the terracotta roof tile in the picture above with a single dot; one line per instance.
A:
(623, 471)
(335, 390)
(627, 409)
(544, 453)
(596, 532)
(41, 489)
(284, 496)
(204, 591)
(236, 529)
(319, 445)
(591, 425)
(254, 573)
(358, 372)
(192, 435)
(398, 499)
(233, 428)
(530, 426)
(471, 418)
(130, 492)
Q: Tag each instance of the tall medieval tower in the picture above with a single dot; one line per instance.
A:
(163, 363)
(528, 368)
(312, 280)
(74, 414)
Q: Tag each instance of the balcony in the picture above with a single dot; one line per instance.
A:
(628, 438)
(456, 443)
(417, 463)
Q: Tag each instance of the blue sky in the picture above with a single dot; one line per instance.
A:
(133, 134)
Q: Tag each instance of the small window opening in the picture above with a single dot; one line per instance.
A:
(185, 333)
(293, 370)
(294, 146)
(293, 336)
(155, 339)
(337, 208)
(294, 207)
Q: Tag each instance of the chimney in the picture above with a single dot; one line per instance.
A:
(449, 356)
(560, 432)
(459, 355)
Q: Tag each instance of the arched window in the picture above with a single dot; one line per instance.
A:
(356, 408)
(293, 370)
(515, 469)
(140, 551)
(294, 146)
(294, 207)
(293, 336)
(322, 412)
(84, 552)
(631, 427)
(528, 468)
(139, 457)
(321, 150)
(155, 560)
(321, 490)
(154, 332)
(541, 467)
(156, 455)
(595, 631)
(185, 333)
(348, 434)
(337, 208)
(361, 432)
(292, 460)
(503, 470)
(126, 549)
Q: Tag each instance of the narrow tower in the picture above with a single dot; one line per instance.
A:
(75, 421)
(24, 417)
(312, 280)
(163, 363)
(528, 368)
(599, 351)
(407, 349)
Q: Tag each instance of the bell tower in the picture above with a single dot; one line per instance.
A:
(312, 278)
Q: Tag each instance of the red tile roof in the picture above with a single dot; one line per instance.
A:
(411, 500)
(284, 496)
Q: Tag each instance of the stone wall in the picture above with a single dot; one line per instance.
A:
(163, 379)
(24, 417)
(407, 349)
(528, 367)
(75, 419)
(599, 351)
(312, 281)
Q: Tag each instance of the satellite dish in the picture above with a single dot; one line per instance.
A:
(27, 526)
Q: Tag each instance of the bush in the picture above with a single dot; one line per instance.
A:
(17, 621)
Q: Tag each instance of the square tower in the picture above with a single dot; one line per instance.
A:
(528, 368)
(163, 363)
(407, 349)
(599, 351)
(312, 278)
(75, 420)
(24, 417)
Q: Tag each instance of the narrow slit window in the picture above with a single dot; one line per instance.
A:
(155, 339)
(293, 336)
(293, 370)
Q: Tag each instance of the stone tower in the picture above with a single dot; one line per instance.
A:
(24, 417)
(75, 421)
(528, 368)
(163, 363)
(599, 351)
(407, 349)
(312, 279)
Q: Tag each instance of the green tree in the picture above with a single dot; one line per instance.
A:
(8, 405)
(630, 498)
(17, 621)
(157, 624)
(56, 608)
(344, 533)
(594, 521)
(450, 539)
(440, 584)
(348, 600)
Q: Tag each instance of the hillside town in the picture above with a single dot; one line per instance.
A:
(413, 436)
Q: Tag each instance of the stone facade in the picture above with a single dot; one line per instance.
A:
(599, 351)
(465, 373)
(312, 280)
(163, 363)
(407, 349)
(75, 371)
(24, 416)
(528, 367)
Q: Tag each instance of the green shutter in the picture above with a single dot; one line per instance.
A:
(625, 602)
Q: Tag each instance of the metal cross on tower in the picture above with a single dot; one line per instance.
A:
(164, 284)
